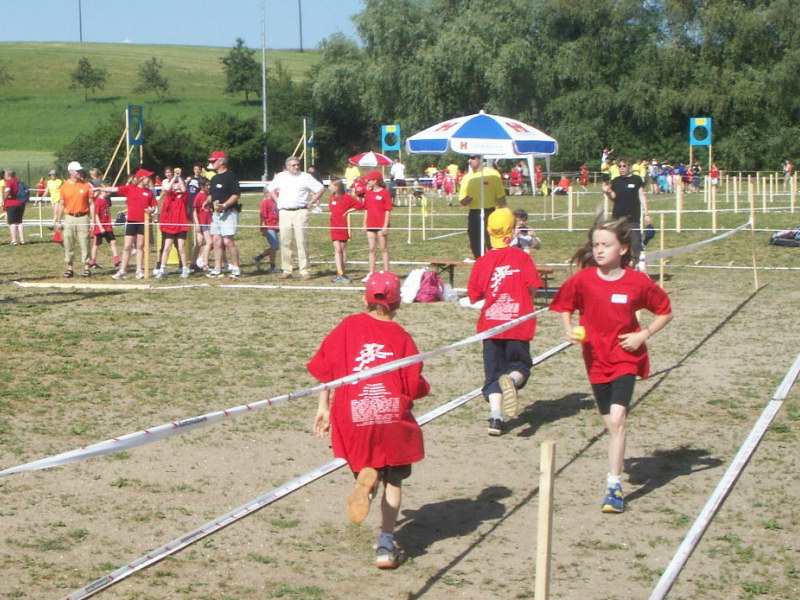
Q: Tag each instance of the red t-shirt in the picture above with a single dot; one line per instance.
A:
(338, 208)
(608, 309)
(11, 191)
(377, 203)
(515, 177)
(501, 277)
(203, 214)
(269, 214)
(138, 199)
(173, 212)
(371, 421)
(102, 210)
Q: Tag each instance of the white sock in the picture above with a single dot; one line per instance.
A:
(613, 480)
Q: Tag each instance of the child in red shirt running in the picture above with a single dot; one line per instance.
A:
(608, 293)
(378, 205)
(370, 422)
(506, 279)
(341, 204)
(269, 229)
(103, 230)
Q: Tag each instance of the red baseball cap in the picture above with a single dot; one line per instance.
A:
(143, 173)
(216, 155)
(373, 175)
(383, 287)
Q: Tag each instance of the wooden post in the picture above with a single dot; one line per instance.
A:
(735, 194)
(409, 224)
(772, 184)
(661, 262)
(146, 249)
(544, 528)
(755, 262)
(792, 191)
(764, 195)
(41, 230)
(424, 213)
(712, 192)
(678, 208)
(569, 209)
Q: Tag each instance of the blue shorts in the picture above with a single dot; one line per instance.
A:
(272, 239)
(225, 224)
(501, 357)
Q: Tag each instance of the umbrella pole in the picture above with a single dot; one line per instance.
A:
(483, 222)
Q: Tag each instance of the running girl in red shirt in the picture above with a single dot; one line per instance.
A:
(370, 422)
(607, 293)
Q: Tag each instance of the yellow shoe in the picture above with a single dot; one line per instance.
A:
(510, 398)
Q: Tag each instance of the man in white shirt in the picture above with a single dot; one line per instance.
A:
(290, 189)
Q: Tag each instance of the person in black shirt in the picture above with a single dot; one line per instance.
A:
(225, 218)
(630, 201)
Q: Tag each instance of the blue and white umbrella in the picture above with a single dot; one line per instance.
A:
(485, 135)
(488, 135)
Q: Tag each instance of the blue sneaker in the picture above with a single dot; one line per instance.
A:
(614, 502)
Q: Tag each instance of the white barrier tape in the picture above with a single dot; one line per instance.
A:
(661, 254)
(251, 507)
(725, 485)
(168, 430)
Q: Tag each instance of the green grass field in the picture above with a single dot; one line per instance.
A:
(41, 113)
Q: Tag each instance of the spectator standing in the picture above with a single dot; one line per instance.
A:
(398, 173)
(53, 190)
(13, 207)
(482, 190)
(174, 224)
(788, 171)
(713, 174)
(270, 225)
(290, 189)
(140, 199)
(351, 173)
(201, 217)
(224, 199)
(370, 422)
(341, 204)
(377, 210)
(630, 201)
(506, 279)
(524, 237)
(76, 194)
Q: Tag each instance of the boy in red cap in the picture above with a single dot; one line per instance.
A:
(370, 422)
(378, 207)
(506, 279)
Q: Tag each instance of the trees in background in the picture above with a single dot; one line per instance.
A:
(87, 77)
(242, 71)
(151, 79)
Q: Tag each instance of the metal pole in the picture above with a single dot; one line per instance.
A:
(300, 13)
(80, 22)
(264, 86)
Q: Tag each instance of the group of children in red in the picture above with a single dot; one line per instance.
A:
(371, 197)
(370, 422)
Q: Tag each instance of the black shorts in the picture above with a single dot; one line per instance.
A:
(174, 236)
(501, 357)
(134, 228)
(617, 391)
(14, 214)
(393, 474)
(106, 235)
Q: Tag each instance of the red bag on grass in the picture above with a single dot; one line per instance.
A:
(431, 288)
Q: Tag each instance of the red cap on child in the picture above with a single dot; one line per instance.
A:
(383, 287)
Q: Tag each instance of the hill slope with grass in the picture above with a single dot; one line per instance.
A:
(40, 113)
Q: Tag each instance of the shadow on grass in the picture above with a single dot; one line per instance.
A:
(705, 463)
(653, 472)
(58, 297)
(105, 99)
(438, 521)
(549, 411)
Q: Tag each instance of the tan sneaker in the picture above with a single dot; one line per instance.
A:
(389, 558)
(510, 398)
(360, 498)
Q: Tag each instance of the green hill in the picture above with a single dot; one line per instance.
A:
(39, 112)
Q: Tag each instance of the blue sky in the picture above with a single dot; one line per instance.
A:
(182, 22)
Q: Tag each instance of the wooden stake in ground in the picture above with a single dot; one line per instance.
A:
(569, 209)
(678, 207)
(661, 261)
(544, 528)
(146, 250)
(753, 229)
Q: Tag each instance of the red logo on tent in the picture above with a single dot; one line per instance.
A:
(518, 127)
(446, 126)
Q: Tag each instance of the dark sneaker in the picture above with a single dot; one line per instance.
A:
(360, 498)
(389, 558)
(510, 398)
(257, 260)
(95, 267)
(614, 502)
(496, 427)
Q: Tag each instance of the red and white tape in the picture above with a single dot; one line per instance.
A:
(168, 430)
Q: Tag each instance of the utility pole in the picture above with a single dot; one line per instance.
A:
(80, 22)
(264, 84)
(300, 11)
